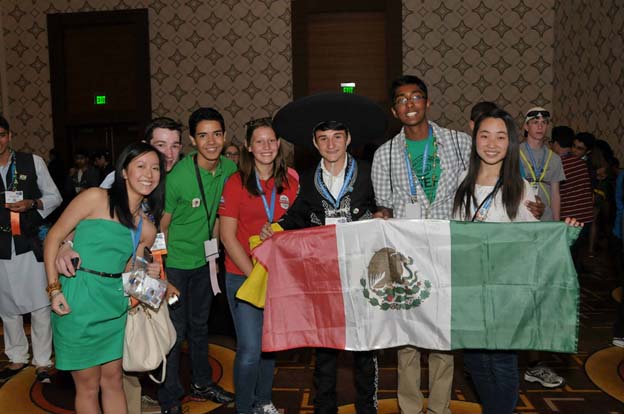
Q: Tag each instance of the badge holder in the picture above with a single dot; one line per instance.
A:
(138, 284)
(11, 197)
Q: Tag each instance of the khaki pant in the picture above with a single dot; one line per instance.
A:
(132, 389)
(410, 397)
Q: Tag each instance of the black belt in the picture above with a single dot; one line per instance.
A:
(103, 274)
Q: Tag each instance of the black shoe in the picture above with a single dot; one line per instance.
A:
(211, 392)
(43, 376)
(173, 410)
(7, 373)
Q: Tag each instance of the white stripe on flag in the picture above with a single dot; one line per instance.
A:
(423, 316)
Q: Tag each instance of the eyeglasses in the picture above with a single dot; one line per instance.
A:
(414, 98)
(266, 121)
(537, 114)
(231, 154)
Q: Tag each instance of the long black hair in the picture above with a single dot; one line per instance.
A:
(118, 194)
(511, 183)
(248, 163)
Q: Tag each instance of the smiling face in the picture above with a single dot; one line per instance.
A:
(142, 174)
(492, 141)
(332, 145)
(209, 139)
(410, 105)
(263, 145)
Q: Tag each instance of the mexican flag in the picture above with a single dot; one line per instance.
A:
(434, 284)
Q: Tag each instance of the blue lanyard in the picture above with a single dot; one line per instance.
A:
(410, 175)
(136, 236)
(538, 172)
(482, 210)
(345, 185)
(270, 211)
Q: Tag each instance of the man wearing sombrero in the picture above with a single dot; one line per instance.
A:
(337, 190)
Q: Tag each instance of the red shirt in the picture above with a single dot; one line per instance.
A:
(576, 191)
(236, 202)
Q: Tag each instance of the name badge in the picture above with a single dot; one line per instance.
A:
(413, 211)
(159, 243)
(211, 249)
(335, 220)
(13, 196)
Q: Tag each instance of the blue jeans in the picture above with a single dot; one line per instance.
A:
(190, 320)
(496, 378)
(253, 370)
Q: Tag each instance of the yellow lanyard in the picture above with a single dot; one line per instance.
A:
(541, 177)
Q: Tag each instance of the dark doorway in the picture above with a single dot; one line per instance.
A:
(100, 79)
(345, 41)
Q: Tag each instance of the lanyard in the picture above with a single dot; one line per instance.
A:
(201, 190)
(11, 177)
(535, 171)
(481, 212)
(270, 211)
(345, 185)
(136, 236)
(535, 179)
(408, 163)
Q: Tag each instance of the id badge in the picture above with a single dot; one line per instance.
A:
(413, 211)
(211, 249)
(159, 244)
(13, 196)
(335, 220)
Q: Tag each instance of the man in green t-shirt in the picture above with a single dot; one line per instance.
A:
(190, 225)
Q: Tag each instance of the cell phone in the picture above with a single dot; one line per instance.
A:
(147, 255)
(74, 262)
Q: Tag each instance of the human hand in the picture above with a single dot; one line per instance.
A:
(266, 231)
(384, 213)
(571, 221)
(59, 304)
(536, 207)
(64, 258)
(20, 206)
(153, 270)
(171, 291)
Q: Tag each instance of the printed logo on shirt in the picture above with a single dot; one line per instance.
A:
(284, 201)
(195, 203)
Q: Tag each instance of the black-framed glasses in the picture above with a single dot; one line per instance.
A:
(537, 114)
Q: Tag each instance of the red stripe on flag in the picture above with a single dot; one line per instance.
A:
(315, 308)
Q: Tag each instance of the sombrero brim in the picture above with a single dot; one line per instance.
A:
(364, 118)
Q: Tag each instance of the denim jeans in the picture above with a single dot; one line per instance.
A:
(253, 370)
(190, 320)
(496, 378)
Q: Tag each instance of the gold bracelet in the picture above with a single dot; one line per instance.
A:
(53, 286)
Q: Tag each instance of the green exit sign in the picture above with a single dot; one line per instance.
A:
(348, 87)
(99, 99)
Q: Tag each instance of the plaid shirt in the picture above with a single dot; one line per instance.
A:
(390, 173)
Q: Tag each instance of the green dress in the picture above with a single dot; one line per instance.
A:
(93, 332)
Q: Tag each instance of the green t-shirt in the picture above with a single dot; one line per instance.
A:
(430, 176)
(183, 200)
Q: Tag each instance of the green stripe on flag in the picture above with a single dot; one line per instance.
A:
(514, 286)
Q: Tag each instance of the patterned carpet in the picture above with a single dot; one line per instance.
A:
(594, 375)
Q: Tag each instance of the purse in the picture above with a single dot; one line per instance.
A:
(149, 337)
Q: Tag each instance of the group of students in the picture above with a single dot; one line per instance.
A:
(426, 171)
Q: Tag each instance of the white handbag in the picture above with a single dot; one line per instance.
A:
(149, 337)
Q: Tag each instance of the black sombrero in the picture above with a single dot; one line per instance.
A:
(364, 118)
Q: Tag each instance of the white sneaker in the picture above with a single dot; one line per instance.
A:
(149, 405)
(544, 375)
(618, 341)
(266, 409)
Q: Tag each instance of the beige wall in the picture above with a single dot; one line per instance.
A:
(229, 54)
(236, 56)
(589, 69)
(474, 50)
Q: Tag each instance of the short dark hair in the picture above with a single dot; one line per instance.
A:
(204, 114)
(102, 153)
(480, 108)
(563, 135)
(162, 122)
(4, 124)
(407, 80)
(327, 125)
(587, 138)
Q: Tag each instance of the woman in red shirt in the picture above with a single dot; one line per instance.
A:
(260, 192)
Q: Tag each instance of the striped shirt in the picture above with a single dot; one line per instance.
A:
(575, 191)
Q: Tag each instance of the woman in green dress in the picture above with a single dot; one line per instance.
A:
(90, 308)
